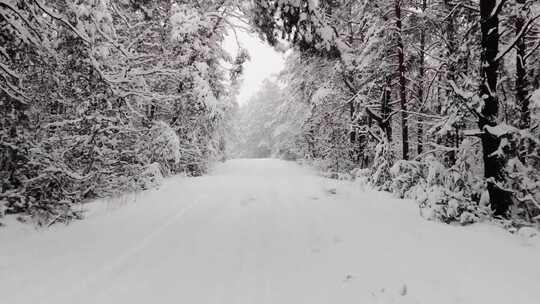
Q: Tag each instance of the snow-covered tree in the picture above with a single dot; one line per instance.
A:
(95, 95)
(443, 67)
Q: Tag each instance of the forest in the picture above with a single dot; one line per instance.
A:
(437, 101)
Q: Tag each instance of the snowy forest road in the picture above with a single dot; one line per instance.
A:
(264, 231)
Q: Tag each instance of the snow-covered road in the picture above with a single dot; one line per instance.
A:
(264, 231)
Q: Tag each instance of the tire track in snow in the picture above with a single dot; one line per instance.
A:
(130, 252)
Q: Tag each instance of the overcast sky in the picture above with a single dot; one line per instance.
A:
(265, 62)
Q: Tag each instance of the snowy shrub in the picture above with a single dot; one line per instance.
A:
(438, 203)
(519, 149)
(441, 193)
(384, 158)
(151, 176)
(461, 185)
(48, 189)
(164, 146)
(406, 174)
(524, 180)
(81, 159)
(468, 218)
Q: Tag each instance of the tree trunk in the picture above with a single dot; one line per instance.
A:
(353, 152)
(402, 83)
(450, 39)
(521, 72)
(385, 110)
(384, 119)
(353, 135)
(450, 75)
(420, 97)
(493, 166)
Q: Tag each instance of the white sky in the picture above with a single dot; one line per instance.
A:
(265, 62)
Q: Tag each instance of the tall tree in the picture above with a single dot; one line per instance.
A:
(488, 116)
(422, 74)
(522, 98)
(401, 70)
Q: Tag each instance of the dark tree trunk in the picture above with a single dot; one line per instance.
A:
(354, 151)
(493, 166)
(385, 109)
(420, 136)
(384, 119)
(402, 82)
(352, 136)
(450, 75)
(521, 72)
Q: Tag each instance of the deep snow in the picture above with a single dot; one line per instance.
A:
(264, 231)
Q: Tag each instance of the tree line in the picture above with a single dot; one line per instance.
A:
(436, 100)
(101, 97)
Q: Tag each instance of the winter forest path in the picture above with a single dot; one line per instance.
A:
(264, 231)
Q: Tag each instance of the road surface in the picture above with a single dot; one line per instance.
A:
(264, 232)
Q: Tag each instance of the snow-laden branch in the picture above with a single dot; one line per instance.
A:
(9, 71)
(533, 49)
(524, 30)
(110, 40)
(464, 97)
(21, 16)
(12, 91)
(497, 8)
(62, 20)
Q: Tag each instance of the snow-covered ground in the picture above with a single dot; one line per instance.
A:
(264, 231)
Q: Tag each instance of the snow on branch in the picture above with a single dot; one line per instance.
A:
(21, 16)
(9, 71)
(63, 21)
(464, 96)
(524, 30)
(497, 8)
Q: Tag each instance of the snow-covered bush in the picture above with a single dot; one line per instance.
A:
(519, 151)
(151, 176)
(381, 177)
(406, 175)
(443, 194)
(334, 159)
(164, 146)
(524, 174)
(47, 190)
(524, 182)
